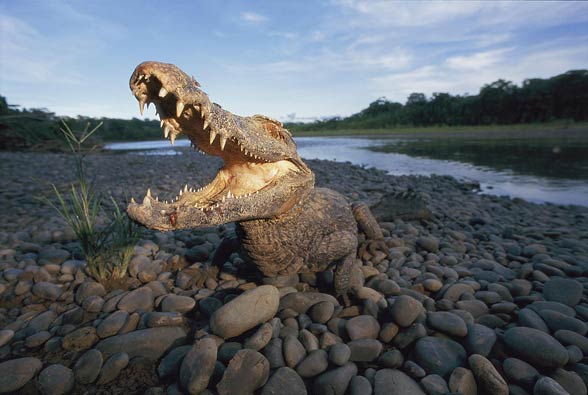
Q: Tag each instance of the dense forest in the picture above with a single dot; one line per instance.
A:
(563, 97)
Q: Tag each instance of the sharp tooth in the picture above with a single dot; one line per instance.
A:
(197, 107)
(206, 123)
(223, 141)
(241, 148)
(142, 105)
(181, 191)
(229, 195)
(162, 212)
(161, 123)
(146, 202)
(166, 130)
(224, 198)
(148, 192)
(172, 138)
(186, 188)
(133, 200)
(156, 198)
(162, 92)
(212, 135)
(179, 108)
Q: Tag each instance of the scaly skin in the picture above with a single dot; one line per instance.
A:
(284, 223)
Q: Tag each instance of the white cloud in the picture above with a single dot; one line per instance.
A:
(477, 61)
(253, 18)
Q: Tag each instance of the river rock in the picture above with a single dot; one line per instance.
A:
(47, 290)
(246, 311)
(112, 367)
(17, 372)
(170, 364)
(487, 377)
(198, 365)
(567, 337)
(405, 310)
(6, 336)
(313, 364)
(112, 324)
(300, 302)
(294, 351)
(536, 347)
(284, 381)
(55, 380)
(247, 371)
(87, 368)
(149, 343)
(321, 312)
(80, 339)
(520, 372)
(260, 338)
(395, 382)
(563, 290)
(89, 288)
(434, 385)
(447, 323)
(439, 356)
(138, 300)
(181, 304)
(339, 354)
(362, 327)
(548, 386)
(570, 381)
(364, 350)
(556, 321)
(462, 381)
(480, 339)
(335, 381)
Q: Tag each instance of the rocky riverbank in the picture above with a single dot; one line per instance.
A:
(488, 297)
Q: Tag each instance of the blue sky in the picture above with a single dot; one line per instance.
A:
(292, 60)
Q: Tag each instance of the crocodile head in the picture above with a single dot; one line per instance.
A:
(262, 176)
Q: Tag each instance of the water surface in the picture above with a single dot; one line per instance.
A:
(516, 169)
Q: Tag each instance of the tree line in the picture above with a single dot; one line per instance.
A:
(563, 97)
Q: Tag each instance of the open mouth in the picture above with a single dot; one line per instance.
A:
(257, 151)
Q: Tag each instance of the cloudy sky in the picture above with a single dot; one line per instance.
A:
(286, 59)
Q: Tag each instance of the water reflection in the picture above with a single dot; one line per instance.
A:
(500, 168)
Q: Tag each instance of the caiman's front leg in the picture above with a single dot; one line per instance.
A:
(369, 226)
(341, 247)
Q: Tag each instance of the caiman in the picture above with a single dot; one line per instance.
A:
(284, 223)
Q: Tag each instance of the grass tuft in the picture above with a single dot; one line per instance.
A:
(106, 248)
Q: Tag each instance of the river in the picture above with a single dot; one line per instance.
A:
(496, 180)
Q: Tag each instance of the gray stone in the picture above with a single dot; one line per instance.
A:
(37, 339)
(548, 386)
(335, 381)
(112, 367)
(47, 290)
(405, 310)
(359, 385)
(6, 336)
(321, 312)
(80, 339)
(112, 324)
(93, 304)
(339, 354)
(536, 347)
(480, 339)
(556, 321)
(302, 301)
(570, 381)
(260, 338)
(520, 372)
(198, 365)
(55, 380)
(434, 385)
(567, 337)
(428, 243)
(439, 356)
(487, 377)
(246, 311)
(149, 343)
(89, 288)
(273, 353)
(170, 364)
(395, 382)
(365, 350)
(284, 381)
(181, 304)
(447, 323)
(362, 327)
(138, 300)
(294, 351)
(17, 372)
(462, 381)
(563, 290)
(168, 318)
(247, 371)
(531, 319)
(313, 364)
(87, 368)
(391, 359)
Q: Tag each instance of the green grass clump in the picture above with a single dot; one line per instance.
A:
(106, 248)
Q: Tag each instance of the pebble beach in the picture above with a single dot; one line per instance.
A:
(490, 296)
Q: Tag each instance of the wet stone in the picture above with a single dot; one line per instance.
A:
(87, 368)
(55, 380)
